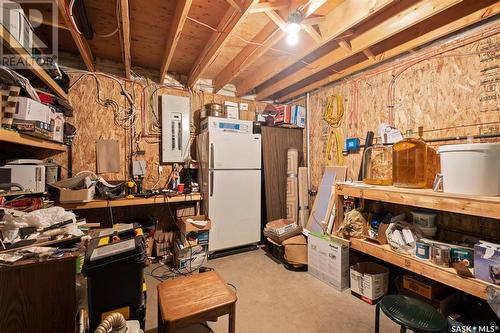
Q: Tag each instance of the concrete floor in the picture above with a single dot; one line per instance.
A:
(274, 299)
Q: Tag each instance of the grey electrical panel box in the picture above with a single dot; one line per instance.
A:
(175, 128)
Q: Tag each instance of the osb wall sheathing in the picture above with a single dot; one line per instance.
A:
(94, 121)
(442, 87)
(450, 84)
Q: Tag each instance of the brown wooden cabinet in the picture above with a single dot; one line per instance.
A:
(38, 296)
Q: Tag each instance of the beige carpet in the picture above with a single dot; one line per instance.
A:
(275, 300)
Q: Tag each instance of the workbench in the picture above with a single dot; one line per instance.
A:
(424, 198)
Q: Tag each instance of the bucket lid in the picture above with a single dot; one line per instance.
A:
(468, 147)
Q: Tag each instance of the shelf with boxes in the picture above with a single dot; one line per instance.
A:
(31, 65)
(30, 141)
(463, 204)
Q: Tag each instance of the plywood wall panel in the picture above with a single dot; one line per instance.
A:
(94, 121)
(442, 91)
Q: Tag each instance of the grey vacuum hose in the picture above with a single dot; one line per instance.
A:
(114, 321)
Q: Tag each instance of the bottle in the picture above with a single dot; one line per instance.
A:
(377, 164)
(409, 158)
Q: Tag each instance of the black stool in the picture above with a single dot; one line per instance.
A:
(410, 313)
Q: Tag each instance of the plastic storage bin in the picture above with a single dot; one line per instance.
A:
(471, 168)
(114, 274)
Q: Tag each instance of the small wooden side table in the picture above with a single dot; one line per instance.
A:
(194, 299)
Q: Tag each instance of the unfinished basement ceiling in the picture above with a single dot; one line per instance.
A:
(246, 46)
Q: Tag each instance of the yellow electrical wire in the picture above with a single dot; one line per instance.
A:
(333, 116)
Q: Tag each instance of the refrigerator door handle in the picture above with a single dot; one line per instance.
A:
(211, 183)
(211, 156)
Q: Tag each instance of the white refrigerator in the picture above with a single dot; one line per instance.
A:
(230, 178)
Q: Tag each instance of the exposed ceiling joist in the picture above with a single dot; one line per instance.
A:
(226, 28)
(403, 20)
(314, 34)
(265, 6)
(125, 36)
(80, 41)
(348, 14)
(313, 20)
(268, 37)
(368, 53)
(174, 35)
(276, 18)
(235, 4)
(440, 32)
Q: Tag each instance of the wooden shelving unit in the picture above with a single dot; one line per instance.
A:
(424, 198)
(10, 42)
(131, 202)
(26, 140)
(444, 275)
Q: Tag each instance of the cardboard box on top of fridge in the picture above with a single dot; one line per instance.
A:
(29, 109)
(487, 262)
(369, 281)
(283, 114)
(328, 260)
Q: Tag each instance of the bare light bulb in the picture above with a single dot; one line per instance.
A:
(292, 28)
(292, 39)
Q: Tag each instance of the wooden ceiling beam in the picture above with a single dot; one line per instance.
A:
(276, 18)
(265, 6)
(344, 17)
(368, 53)
(80, 41)
(440, 32)
(235, 4)
(125, 36)
(174, 35)
(403, 20)
(225, 29)
(314, 34)
(268, 37)
(313, 20)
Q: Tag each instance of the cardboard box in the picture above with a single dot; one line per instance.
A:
(283, 114)
(487, 262)
(193, 234)
(186, 227)
(328, 260)
(369, 281)
(298, 115)
(424, 287)
(29, 109)
(76, 189)
(445, 304)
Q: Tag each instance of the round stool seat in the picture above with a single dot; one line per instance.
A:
(412, 313)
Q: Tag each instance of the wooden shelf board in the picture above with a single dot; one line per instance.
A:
(424, 198)
(26, 140)
(14, 46)
(131, 202)
(444, 275)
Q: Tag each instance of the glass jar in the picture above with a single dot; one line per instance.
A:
(409, 158)
(377, 164)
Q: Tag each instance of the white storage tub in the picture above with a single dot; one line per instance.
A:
(471, 168)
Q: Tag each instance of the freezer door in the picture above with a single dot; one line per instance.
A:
(229, 150)
(234, 208)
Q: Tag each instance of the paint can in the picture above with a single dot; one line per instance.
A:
(440, 255)
(423, 250)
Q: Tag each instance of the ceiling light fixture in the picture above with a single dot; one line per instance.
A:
(293, 27)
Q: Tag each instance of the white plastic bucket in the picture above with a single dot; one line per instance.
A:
(471, 168)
